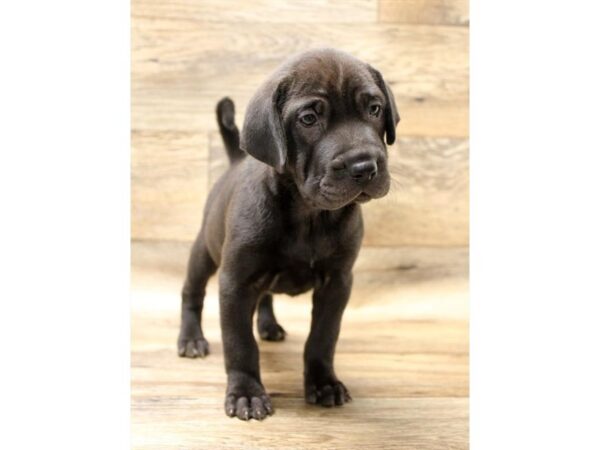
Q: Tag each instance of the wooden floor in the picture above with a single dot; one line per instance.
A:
(403, 353)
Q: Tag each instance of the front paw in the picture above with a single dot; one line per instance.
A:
(191, 342)
(246, 407)
(331, 392)
(246, 399)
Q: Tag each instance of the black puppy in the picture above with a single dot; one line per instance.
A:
(287, 218)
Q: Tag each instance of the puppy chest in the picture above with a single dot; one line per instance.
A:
(293, 280)
(297, 264)
(306, 250)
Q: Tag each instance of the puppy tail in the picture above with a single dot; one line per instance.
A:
(229, 130)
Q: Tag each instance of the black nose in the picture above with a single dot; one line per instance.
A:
(363, 171)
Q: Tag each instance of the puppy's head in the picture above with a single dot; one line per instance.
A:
(322, 118)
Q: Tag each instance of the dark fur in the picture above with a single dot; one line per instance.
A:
(287, 219)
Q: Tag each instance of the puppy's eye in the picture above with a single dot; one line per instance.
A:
(374, 110)
(308, 119)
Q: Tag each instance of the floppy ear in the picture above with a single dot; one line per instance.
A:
(391, 116)
(263, 135)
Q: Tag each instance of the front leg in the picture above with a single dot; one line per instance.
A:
(245, 396)
(321, 386)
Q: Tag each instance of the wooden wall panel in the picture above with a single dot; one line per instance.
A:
(188, 54)
(446, 12)
(181, 69)
(169, 184)
(259, 11)
(433, 12)
(428, 203)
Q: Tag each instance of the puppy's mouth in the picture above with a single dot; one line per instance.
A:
(325, 193)
(363, 197)
(334, 200)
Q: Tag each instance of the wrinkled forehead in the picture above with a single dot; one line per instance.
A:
(339, 81)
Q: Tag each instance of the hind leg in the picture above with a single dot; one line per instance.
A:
(191, 342)
(268, 328)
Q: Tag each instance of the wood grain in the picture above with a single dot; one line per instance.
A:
(428, 203)
(447, 12)
(405, 340)
(187, 54)
(168, 184)
(418, 282)
(259, 11)
(404, 357)
(180, 70)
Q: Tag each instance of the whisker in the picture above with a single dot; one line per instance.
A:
(398, 176)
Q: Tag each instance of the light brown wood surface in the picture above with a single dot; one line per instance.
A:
(181, 69)
(403, 353)
(188, 54)
(403, 350)
(428, 198)
(449, 12)
(260, 11)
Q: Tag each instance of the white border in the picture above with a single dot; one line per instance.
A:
(535, 196)
(64, 186)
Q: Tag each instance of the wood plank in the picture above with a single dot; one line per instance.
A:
(259, 11)
(367, 371)
(169, 184)
(445, 12)
(428, 203)
(198, 422)
(419, 283)
(410, 264)
(180, 69)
